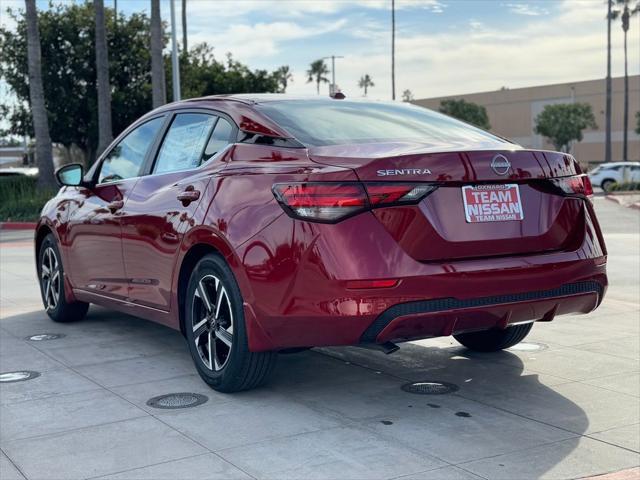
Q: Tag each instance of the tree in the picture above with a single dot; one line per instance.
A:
(284, 77)
(638, 123)
(407, 96)
(44, 150)
(366, 82)
(563, 123)
(625, 13)
(158, 82)
(466, 111)
(607, 134)
(69, 73)
(185, 47)
(105, 132)
(202, 74)
(316, 73)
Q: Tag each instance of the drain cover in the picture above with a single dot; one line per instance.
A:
(430, 388)
(42, 337)
(528, 347)
(19, 376)
(177, 400)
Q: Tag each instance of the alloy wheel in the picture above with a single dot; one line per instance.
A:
(50, 278)
(212, 322)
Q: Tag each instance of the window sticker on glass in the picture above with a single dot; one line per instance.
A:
(183, 145)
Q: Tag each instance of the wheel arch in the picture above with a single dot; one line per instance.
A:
(196, 244)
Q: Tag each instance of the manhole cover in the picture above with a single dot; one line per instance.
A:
(430, 388)
(19, 376)
(177, 400)
(528, 347)
(43, 337)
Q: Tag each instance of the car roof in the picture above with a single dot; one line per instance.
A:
(616, 164)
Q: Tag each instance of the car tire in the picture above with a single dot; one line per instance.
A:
(494, 340)
(607, 185)
(216, 331)
(52, 288)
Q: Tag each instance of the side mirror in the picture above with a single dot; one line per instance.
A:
(70, 175)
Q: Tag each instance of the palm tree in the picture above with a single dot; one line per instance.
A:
(625, 14)
(607, 139)
(284, 76)
(185, 48)
(366, 82)
(317, 72)
(44, 150)
(105, 133)
(158, 94)
(407, 96)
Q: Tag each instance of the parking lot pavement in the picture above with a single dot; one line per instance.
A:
(566, 406)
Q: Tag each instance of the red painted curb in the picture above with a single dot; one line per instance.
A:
(613, 199)
(18, 225)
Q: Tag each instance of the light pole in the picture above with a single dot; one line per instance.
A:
(174, 55)
(332, 88)
(393, 49)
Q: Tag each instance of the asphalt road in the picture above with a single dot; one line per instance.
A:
(564, 406)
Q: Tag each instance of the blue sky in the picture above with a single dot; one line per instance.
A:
(444, 47)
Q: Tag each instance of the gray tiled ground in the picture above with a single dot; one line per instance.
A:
(569, 411)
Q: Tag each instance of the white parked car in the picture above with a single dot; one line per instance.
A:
(607, 175)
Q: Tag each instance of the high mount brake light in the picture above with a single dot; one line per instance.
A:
(330, 202)
(578, 185)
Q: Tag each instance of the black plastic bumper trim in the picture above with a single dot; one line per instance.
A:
(444, 304)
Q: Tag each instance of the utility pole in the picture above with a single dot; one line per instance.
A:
(393, 49)
(174, 55)
(607, 135)
(332, 88)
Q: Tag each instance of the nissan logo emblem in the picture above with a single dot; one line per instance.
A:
(500, 164)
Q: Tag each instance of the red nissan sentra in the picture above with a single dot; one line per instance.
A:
(264, 223)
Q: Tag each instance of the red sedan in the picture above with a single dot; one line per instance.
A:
(263, 223)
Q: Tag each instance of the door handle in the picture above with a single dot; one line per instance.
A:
(188, 196)
(115, 205)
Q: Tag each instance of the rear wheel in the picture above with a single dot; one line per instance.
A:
(494, 340)
(52, 287)
(216, 333)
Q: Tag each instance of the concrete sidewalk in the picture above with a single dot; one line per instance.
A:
(569, 409)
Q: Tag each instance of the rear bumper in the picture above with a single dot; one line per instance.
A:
(448, 316)
(294, 281)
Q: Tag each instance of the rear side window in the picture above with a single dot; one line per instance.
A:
(220, 138)
(126, 159)
(335, 122)
(183, 145)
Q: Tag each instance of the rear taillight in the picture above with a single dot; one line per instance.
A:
(578, 185)
(331, 202)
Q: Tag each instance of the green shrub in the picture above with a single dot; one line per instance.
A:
(625, 187)
(20, 199)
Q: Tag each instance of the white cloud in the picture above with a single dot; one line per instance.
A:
(526, 9)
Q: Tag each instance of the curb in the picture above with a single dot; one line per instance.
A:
(18, 225)
(618, 200)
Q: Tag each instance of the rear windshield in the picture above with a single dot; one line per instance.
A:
(337, 122)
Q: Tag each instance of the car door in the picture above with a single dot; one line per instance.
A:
(94, 234)
(162, 205)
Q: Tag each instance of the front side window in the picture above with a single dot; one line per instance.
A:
(126, 159)
(184, 143)
(336, 122)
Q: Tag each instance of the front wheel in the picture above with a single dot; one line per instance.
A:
(494, 340)
(216, 332)
(51, 276)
